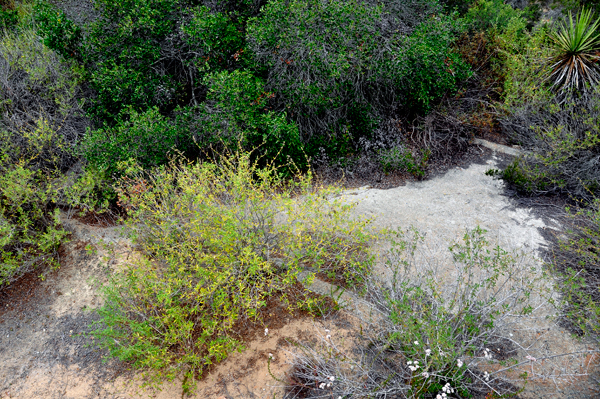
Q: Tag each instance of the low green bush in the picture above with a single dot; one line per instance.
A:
(433, 333)
(147, 138)
(219, 240)
(403, 159)
(564, 144)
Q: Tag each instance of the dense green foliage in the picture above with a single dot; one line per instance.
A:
(339, 66)
(335, 69)
(59, 33)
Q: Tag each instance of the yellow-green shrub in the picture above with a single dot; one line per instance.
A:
(218, 240)
(41, 122)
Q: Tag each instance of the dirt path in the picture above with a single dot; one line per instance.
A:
(45, 353)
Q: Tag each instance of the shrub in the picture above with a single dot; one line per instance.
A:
(339, 67)
(147, 138)
(40, 126)
(145, 53)
(236, 112)
(576, 43)
(430, 335)
(492, 15)
(218, 241)
(576, 261)
(217, 40)
(430, 66)
(562, 135)
(399, 158)
(39, 91)
(8, 18)
(59, 32)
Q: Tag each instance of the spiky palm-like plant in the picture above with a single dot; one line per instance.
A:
(576, 41)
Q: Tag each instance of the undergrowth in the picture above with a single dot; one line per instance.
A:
(218, 241)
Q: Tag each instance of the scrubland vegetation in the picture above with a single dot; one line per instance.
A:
(201, 124)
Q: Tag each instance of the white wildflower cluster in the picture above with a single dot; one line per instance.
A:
(328, 336)
(486, 376)
(413, 366)
(427, 352)
(446, 390)
(266, 332)
(487, 354)
(459, 363)
(324, 385)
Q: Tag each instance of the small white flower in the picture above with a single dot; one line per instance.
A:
(428, 352)
(438, 396)
(409, 362)
(447, 389)
(533, 359)
(416, 342)
(270, 356)
(266, 331)
(328, 336)
(322, 386)
(486, 375)
(332, 378)
(459, 363)
(486, 353)
(328, 384)
(425, 374)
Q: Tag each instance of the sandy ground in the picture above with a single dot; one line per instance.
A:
(46, 353)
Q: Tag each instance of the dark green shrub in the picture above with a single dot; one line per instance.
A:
(429, 66)
(218, 42)
(148, 138)
(59, 32)
(236, 112)
(145, 53)
(8, 18)
(127, 64)
(339, 67)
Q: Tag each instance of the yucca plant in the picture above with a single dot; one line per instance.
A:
(576, 41)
